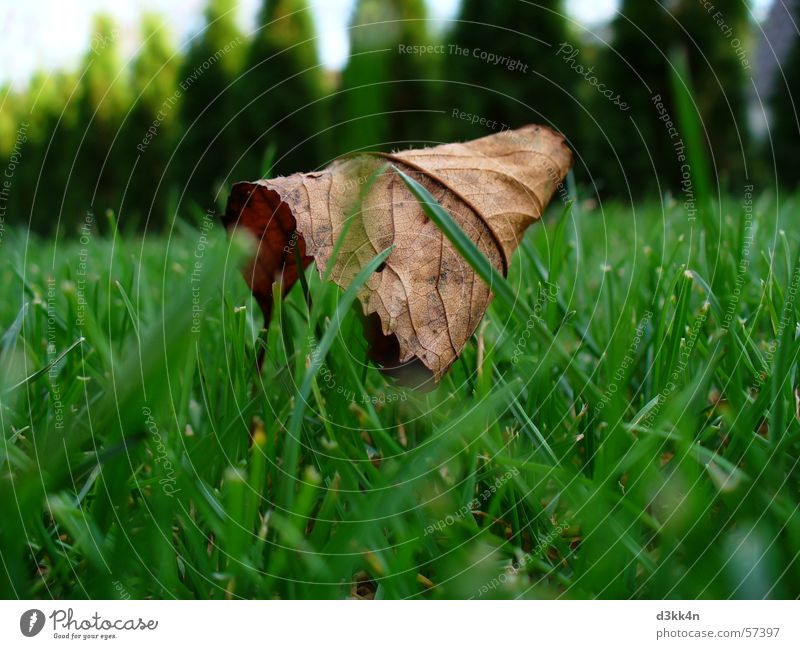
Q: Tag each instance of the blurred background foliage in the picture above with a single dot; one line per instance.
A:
(221, 105)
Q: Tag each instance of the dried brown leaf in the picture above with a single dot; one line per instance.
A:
(426, 302)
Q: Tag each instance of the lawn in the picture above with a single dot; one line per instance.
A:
(626, 428)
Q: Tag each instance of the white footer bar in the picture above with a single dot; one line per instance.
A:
(399, 624)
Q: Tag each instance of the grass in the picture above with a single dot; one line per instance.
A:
(619, 428)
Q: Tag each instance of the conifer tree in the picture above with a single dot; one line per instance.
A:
(631, 151)
(387, 84)
(280, 89)
(152, 125)
(635, 151)
(209, 148)
(535, 84)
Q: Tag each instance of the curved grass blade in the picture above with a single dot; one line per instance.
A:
(293, 440)
(44, 370)
(494, 279)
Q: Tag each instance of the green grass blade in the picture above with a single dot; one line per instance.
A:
(292, 451)
(494, 279)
